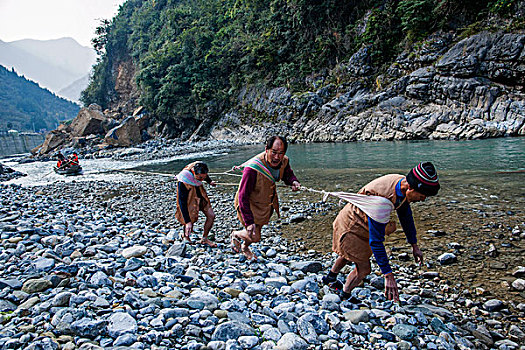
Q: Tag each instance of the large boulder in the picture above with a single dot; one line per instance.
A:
(109, 124)
(143, 121)
(125, 135)
(88, 121)
(53, 140)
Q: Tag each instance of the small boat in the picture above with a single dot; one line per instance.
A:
(70, 170)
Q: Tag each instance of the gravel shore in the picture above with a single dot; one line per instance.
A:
(90, 265)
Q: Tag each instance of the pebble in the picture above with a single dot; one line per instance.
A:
(447, 259)
(81, 273)
(519, 284)
(134, 252)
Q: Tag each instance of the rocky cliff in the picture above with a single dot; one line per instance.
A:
(445, 89)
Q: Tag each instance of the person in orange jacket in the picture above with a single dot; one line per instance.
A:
(61, 160)
(73, 159)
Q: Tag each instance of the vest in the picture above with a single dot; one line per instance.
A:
(263, 199)
(352, 223)
(194, 203)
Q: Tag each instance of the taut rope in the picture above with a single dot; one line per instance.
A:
(376, 207)
(226, 173)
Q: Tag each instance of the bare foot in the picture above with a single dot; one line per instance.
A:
(248, 253)
(207, 242)
(236, 243)
(187, 239)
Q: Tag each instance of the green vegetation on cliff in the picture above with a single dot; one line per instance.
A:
(191, 56)
(25, 106)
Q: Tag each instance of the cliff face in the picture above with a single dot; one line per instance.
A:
(125, 87)
(312, 69)
(446, 89)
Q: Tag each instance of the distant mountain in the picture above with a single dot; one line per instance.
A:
(25, 106)
(73, 90)
(54, 64)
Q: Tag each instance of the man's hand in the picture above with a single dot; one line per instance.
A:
(391, 291)
(213, 183)
(418, 254)
(251, 230)
(296, 186)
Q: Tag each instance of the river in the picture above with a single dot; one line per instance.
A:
(478, 155)
(497, 165)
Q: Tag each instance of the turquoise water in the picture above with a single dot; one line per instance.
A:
(493, 154)
(502, 154)
(466, 168)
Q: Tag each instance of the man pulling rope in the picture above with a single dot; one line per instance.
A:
(256, 198)
(192, 198)
(360, 227)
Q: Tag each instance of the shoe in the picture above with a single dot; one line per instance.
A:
(333, 283)
(349, 298)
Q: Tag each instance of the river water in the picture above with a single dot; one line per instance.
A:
(497, 163)
(502, 154)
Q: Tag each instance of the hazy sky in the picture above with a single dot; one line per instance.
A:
(53, 19)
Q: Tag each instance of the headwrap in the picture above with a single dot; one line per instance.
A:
(257, 165)
(188, 178)
(424, 179)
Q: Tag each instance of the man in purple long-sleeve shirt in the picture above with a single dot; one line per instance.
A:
(256, 198)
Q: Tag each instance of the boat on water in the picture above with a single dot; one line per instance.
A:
(70, 170)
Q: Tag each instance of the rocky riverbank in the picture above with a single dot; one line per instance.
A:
(93, 265)
(6, 173)
(157, 148)
(446, 88)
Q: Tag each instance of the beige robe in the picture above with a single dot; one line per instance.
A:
(350, 236)
(194, 202)
(263, 198)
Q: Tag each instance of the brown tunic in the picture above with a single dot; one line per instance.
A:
(194, 202)
(350, 237)
(263, 198)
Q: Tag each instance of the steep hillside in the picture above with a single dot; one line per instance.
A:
(25, 106)
(54, 64)
(199, 65)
